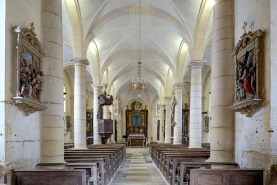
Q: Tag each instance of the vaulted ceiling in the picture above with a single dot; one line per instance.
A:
(110, 30)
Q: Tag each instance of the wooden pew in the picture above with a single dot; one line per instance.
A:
(173, 168)
(49, 177)
(226, 177)
(99, 161)
(107, 162)
(91, 166)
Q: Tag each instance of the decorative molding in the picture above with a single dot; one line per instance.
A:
(248, 107)
(28, 105)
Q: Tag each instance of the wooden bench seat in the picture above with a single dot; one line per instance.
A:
(91, 166)
(49, 177)
(226, 177)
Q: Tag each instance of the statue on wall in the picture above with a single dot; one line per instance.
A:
(27, 52)
(247, 66)
(206, 124)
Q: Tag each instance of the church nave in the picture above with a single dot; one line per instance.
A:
(138, 168)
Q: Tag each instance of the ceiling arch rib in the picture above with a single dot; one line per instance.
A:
(128, 82)
(123, 70)
(131, 10)
(112, 58)
(74, 13)
(133, 70)
(202, 23)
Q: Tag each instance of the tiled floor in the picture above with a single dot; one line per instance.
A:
(138, 168)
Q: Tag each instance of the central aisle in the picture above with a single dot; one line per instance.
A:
(138, 168)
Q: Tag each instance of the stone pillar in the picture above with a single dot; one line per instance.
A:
(96, 137)
(222, 83)
(80, 140)
(112, 117)
(52, 141)
(178, 114)
(168, 100)
(161, 124)
(71, 119)
(204, 134)
(123, 131)
(195, 128)
(149, 125)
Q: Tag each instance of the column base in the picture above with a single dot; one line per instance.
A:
(80, 148)
(177, 143)
(113, 142)
(160, 142)
(45, 166)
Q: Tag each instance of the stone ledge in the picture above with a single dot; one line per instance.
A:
(28, 105)
(248, 107)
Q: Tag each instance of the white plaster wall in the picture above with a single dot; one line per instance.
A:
(22, 132)
(253, 147)
(89, 102)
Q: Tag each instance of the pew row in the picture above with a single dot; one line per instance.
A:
(49, 177)
(226, 177)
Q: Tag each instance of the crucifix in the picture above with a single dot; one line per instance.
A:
(32, 26)
(244, 26)
(251, 26)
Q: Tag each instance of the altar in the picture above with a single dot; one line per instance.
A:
(137, 140)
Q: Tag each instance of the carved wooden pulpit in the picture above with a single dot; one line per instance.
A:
(105, 126)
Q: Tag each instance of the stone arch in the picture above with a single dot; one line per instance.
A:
(131, 10)
(131, 70)
(132, 49)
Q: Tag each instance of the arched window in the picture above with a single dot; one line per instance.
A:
(158, 111)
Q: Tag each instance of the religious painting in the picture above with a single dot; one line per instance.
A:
(27, 54)
(248, 58)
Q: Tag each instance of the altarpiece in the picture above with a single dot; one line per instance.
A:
(27, 54)
(248, 62)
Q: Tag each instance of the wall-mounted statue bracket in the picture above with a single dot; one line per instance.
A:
(248, 57)
(27, 54)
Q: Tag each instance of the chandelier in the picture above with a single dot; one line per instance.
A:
(139, 82)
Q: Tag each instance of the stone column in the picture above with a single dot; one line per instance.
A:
(195, 128)
(112, 117)
(161, 124)
(178, 114)
(168, 100)
(222, 83)
(80, 140)
(123, 131)
(149, 125)
(71, 119)
(96, 91)
(204, 135)
(52, 140)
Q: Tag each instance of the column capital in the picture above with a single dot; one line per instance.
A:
(97, 86)
(168, 98)
(162, 105)
(197, 64)
(178, 85)
(80, 61)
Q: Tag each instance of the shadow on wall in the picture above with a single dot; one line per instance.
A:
(3, 175)
(273, 174)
